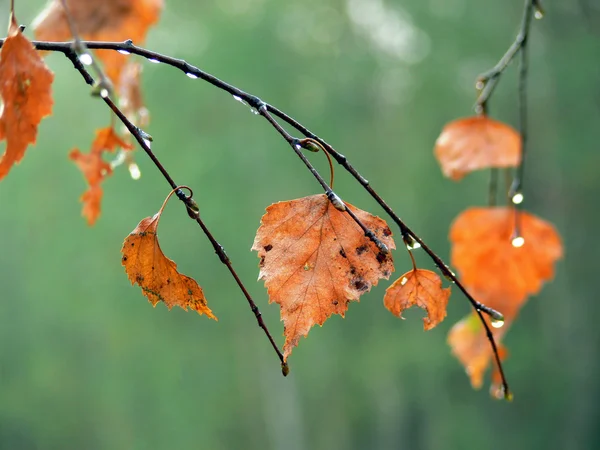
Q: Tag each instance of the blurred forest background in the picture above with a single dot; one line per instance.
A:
(87, 363)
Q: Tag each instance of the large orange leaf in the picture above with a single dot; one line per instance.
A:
(315, 259)
(95, 169)
(499, 275)
(100, 20)
(148, 267)
(488, 263)
(422, 288)
(475, 143)
(25, 87)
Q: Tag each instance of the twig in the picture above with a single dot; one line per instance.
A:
(104, 87)
(192, 208)
(266, 110)
(487, 81)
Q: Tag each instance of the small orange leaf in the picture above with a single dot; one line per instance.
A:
(315, 260)
(475, 143)
(25, 88)
(100, 20)
(148, 267)
(470, 345)
(422, 288)
(95, 169)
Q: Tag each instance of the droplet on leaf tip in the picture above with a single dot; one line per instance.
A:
(518, 198)
(134, 171)
(86, 59)
(518, 241)
(192, 76)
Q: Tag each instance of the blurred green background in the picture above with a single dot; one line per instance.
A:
(87, 363)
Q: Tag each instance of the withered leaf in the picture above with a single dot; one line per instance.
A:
(148, 267)
(422, 288)
(25, 88)
(475, 143)
(315, 259)
(100, 20)
(95, 169)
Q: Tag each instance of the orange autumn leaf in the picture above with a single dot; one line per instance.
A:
(95, 169)
(422, 288)
(475, 143)
(315, 259)
(25, 88)
(100, 20)
(471, 346)
(498, 272)
(148, 267)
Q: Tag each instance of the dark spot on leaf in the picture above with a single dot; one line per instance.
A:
(132, 244)
(343, 253)
(334, 303)
(139, 279)
(262, 261)
(360, 250)
(352, 270)
(190, 292)
(168, 281)
(360, 285)
(381, 257)
(387, 231)
(386, 273)
(268, 247)
(124, 258)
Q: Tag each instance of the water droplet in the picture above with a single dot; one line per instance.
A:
(153, 60)
(192, 76)
(479, 85)
(104, 93)
(497, 323)
(518, 198)
(411, 244)
(86, 59)
(404, 281)
(518, 241)
(147, 142)
(239, 99)
(538, 14)
(134, 171)
(124, 52)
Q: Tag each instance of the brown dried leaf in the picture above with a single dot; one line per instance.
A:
(422, 288)
(25, 88)
(100, 20)
(474, 143)
(148, 267)
(95, 169)
(315, 260)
